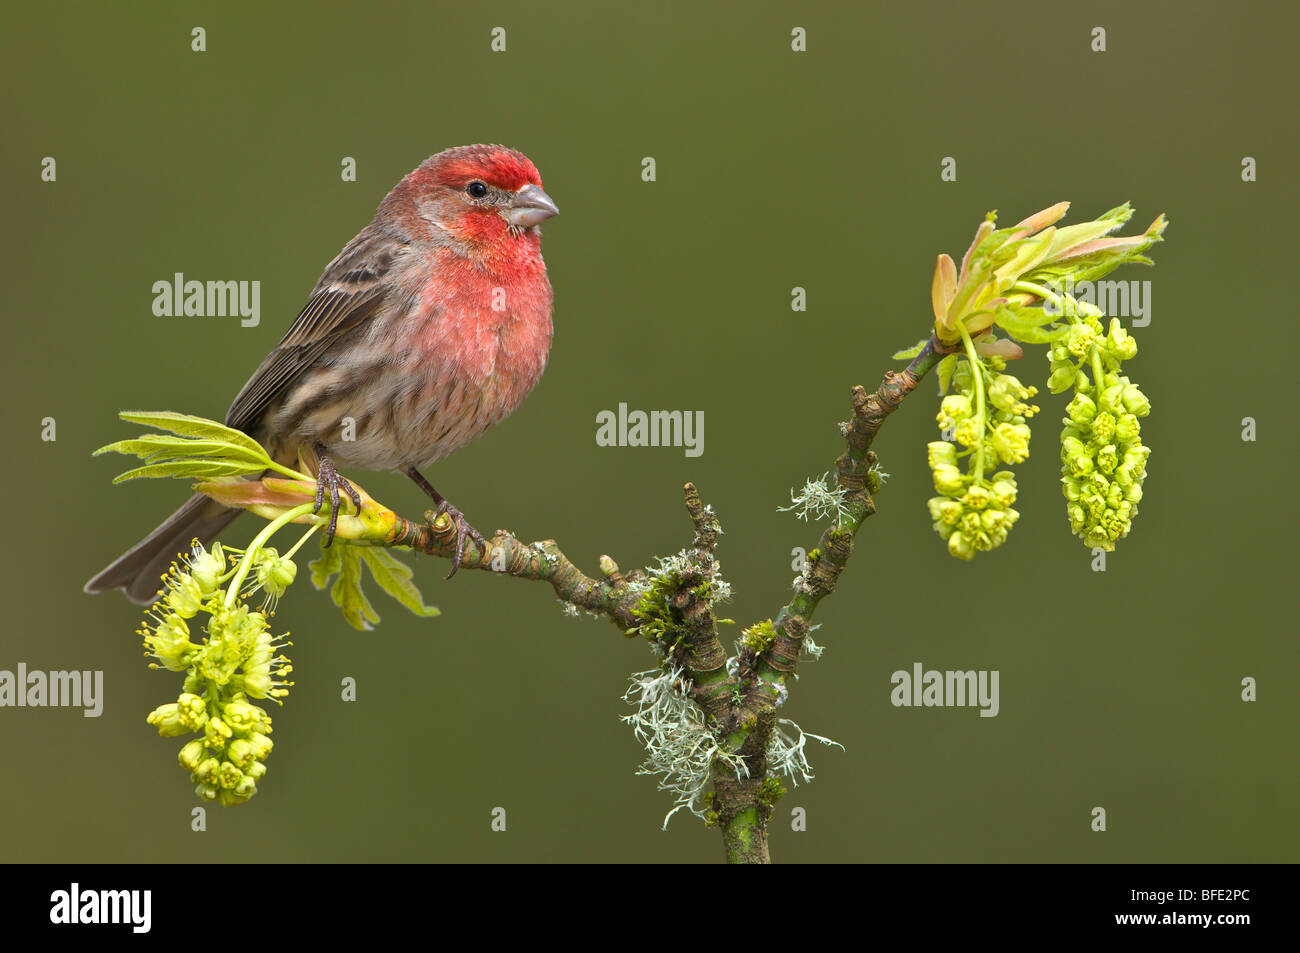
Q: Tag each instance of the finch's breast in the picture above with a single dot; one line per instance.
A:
(431, 372)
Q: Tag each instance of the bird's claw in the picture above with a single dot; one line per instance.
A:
(463, 529)
(328, 476)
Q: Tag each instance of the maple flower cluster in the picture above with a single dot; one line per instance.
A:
(1103, 459)
(974, 512)
(235, 659)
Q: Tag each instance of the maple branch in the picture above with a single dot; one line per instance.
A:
(739, 703)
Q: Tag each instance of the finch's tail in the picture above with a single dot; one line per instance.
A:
(138, 571)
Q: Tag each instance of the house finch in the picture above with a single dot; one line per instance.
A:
(432, 325)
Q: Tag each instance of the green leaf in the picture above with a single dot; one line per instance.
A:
(324, 568)
(996, 249)
(158, 446)
(945, 370)
(195, 449)
(1119, 214)
(1029, 325)
(1102, 261)
(1017, 316)
(347, 593)
(1073, 235)
(908, 353)
(394, 577)
(1092, 267)
(1024, 254)
(1048, 335)
(344, 560)
(1027, 334)
(188, 426)
(190, 469)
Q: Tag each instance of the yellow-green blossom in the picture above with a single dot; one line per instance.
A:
(238, 660)
(1103, 459)
(988, 415)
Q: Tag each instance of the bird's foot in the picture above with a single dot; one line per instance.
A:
(463, 529)
(458, 520)
(328, 476)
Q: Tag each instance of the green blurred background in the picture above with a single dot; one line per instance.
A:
(775, 169)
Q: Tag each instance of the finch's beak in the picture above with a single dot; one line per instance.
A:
(530, 206)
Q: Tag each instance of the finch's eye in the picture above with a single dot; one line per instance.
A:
(476, 190)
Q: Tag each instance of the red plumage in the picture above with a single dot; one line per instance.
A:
(501, 166)
(432, 325)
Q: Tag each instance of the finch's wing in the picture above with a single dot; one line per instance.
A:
(348, 293)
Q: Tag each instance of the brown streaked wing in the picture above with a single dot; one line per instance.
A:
(348, 293)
